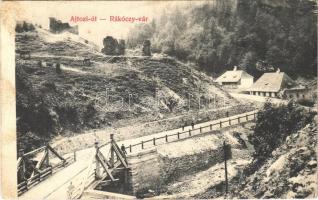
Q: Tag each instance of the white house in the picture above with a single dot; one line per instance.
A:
(277, 84)
(235, 79)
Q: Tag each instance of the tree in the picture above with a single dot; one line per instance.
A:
(171, 103)
(219, 35)
(18, 28)
(274, 124)
(110, 45)
(25, 26)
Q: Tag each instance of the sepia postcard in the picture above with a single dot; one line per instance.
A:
(158, 99)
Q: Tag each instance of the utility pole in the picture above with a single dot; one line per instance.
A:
(225, 168)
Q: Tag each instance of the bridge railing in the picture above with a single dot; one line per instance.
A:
(99, 168)
(222, 123)
(41, 171)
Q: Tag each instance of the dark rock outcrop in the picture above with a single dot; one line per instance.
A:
(57, 26)
(121, 47)
(146, 48)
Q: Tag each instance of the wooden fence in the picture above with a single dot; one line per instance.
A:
(42, 170)
(246, 117)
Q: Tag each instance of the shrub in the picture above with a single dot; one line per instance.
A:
(306, 102)
(274, 124)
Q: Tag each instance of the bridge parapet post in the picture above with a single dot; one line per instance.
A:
(21, 172)
(21, 153)
(112, 154)
(97, 170)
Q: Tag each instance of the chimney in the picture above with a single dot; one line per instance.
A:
(235, 68)
(278, 70)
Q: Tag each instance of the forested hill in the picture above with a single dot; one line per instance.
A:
(256, 35)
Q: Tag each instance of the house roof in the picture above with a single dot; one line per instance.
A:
(233, 76)
(272, 82)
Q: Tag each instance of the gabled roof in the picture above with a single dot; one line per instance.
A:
(272, 82)
(233, 76)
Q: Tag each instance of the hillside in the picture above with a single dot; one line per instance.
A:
(291, 172)
(290, 168)
(256, 35)
(110, 92)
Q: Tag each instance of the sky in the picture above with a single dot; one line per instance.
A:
(39, 12)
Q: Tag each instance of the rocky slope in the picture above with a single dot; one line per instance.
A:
(291, 172)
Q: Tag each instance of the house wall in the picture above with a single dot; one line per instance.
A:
(246, 82)
(288, 94)
(264, 94)
(231, 85)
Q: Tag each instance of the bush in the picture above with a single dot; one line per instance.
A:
(24, 27)
(274, 124)
(306, 102)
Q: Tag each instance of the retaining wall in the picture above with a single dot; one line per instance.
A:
(153, 168)
(146, 171)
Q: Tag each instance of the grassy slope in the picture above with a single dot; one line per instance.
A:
(49, 103)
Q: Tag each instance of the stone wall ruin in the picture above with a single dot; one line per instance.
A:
(57, 26)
